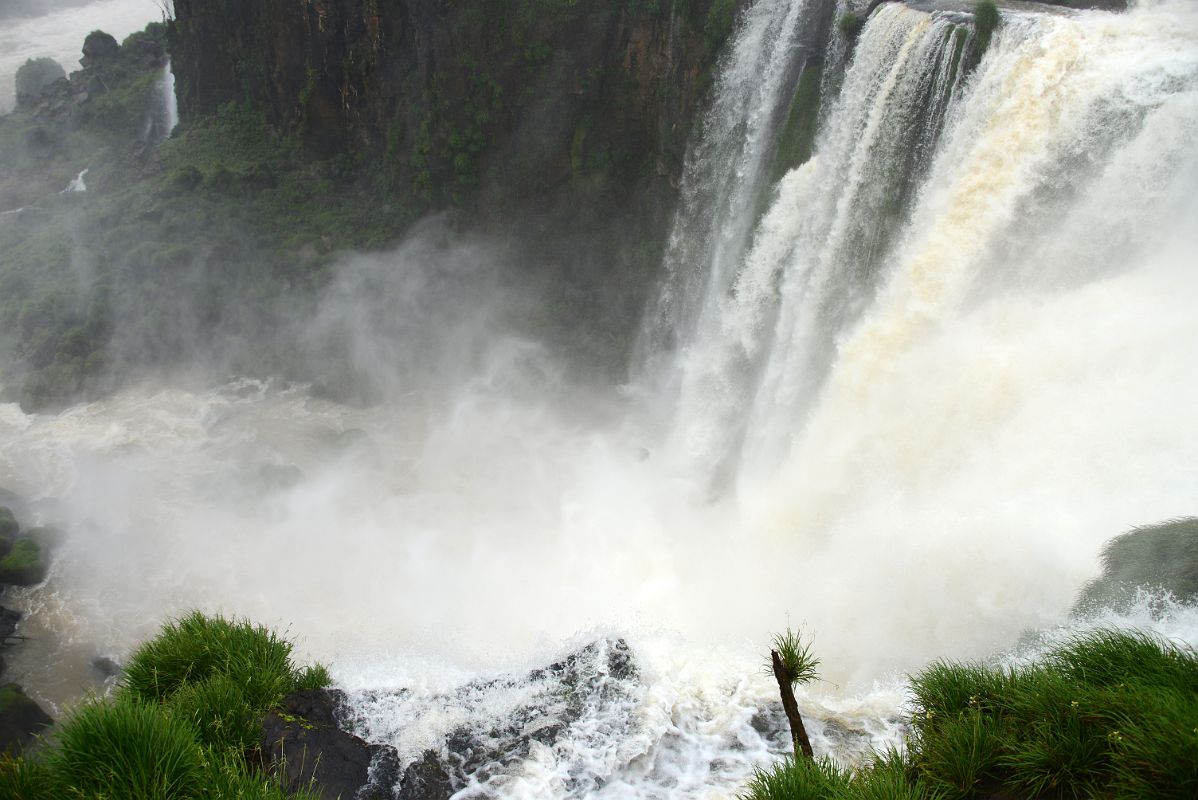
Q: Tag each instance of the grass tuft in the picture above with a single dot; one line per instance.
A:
(126, 749)
(799, 663)
(798, 779)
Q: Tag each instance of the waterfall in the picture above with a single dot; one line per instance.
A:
(913, 376)
(163, 114)
(723, 175)
(928, 189)
(822, 237)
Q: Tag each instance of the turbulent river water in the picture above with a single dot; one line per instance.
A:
(900, 402)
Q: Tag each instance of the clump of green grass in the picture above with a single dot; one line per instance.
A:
(184, 723)
(126, 749)
(222, 675)
(196, 647)
(797, 779)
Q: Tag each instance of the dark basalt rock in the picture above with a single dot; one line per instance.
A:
(105, 666)
(426, 779)
(595, 676)
(98, 47)
(8, 623)
(305, 744)
(21, 719)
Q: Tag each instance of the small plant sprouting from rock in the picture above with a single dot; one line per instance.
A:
(849, 24)
(792, 663)
(800, 664)
(985, 21)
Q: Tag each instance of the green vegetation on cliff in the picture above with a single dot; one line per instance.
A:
(1107, 714)
(558, 124)
(185, 722)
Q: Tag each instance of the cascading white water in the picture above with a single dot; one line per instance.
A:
(163, 114)
(723, 176)
(1006, 387)
(811, 255)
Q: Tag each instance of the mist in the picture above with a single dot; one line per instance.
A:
(416, 461)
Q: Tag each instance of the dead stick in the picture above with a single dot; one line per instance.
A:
(797, 732)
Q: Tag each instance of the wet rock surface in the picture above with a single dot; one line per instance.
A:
(588, 694)
(21, 719)
(304, 742)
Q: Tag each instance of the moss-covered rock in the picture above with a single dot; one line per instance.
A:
(33, 77)
(24, 565)
(1162, 557)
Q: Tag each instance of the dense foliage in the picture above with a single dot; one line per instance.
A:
(185, 721)
(1107, 714)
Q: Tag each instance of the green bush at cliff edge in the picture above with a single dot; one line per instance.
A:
(184, 722)
(1107, 714)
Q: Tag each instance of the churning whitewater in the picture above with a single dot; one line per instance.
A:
(900, 398)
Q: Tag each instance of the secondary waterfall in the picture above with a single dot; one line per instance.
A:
(163, 113)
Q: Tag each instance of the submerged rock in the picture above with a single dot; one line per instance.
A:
(8, 623)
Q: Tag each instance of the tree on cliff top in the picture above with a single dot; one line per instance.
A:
(33, 77)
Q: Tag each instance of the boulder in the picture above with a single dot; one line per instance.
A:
(1161, 558)
(97, 48)
(21, 719)
(426, 779)
(304, 743)
(9, 527)
(34, 77)
(8, 623)
(24, 565)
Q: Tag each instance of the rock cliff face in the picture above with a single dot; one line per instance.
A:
(491, 105)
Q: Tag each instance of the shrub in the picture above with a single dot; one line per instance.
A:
(196, 647)
(1161, 557)
(34, 76)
